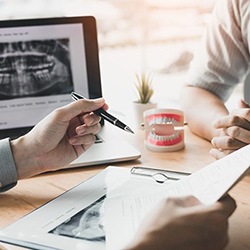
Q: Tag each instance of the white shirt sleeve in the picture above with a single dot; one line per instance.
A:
(222, 60)
(8, 172)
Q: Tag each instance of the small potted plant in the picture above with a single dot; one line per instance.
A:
(144, 88)
(145, 92)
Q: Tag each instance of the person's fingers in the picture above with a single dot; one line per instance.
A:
(238, 133)
(226, 206)
(227, 143)
(82, 143)
(241, 119)
(86, 140)
(3, 248)
(74, 123)
(186, 201)
(89, 119)
(218, 154)
(81, 106)
(87, 125)
(243, 104)
(83, 129)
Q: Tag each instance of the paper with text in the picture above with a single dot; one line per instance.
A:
(124, 213)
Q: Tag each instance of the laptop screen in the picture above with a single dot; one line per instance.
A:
(41, 62)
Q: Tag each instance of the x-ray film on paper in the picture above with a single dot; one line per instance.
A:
(86, 224)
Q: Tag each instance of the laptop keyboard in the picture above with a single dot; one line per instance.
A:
(98, 139)
(13, 134)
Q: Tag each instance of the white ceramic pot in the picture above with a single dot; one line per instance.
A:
(139, 108)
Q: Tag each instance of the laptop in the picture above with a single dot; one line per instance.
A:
(41, 62)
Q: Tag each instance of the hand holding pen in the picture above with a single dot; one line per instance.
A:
(105, 115)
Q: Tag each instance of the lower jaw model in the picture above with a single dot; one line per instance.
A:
(164, 132)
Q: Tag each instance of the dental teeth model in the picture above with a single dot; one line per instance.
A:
(164, 129)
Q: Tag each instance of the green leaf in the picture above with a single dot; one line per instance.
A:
(144, 88)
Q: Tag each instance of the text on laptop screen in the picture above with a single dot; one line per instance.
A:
(39, 67)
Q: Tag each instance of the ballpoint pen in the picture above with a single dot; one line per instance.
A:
(105, 115)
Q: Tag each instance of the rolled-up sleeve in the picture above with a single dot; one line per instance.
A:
(222, 60)
(8, 172)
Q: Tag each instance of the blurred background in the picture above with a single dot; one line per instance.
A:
(156, 36)
(124, 22)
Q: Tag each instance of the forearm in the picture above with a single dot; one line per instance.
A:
(201, 109)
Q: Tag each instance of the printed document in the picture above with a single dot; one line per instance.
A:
(124, 213)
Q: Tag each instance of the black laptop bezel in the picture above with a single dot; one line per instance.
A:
(91, 51)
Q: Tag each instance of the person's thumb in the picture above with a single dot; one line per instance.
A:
(81, 106)
(243, 104)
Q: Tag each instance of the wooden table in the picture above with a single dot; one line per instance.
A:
(31, 193)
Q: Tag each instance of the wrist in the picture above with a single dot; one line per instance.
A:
(24, 159)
